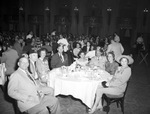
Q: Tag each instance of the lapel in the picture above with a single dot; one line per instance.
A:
(59, 57)
(25, 76)
(32, 67)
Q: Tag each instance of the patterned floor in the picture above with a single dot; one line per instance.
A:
(136, 101)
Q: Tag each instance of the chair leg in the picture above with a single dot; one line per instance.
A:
(102, 100)
(2, 88)
(108, 104)
(122, 105)
(117, 104)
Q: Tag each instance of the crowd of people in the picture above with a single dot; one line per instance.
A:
(29, 60)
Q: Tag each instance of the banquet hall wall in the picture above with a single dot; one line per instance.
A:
(92, 17)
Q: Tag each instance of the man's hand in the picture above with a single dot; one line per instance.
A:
(40, 94)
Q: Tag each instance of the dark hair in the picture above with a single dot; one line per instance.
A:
(89, 42)
(8, 44)
(81, 52)
(100, 50)
(112, 53)
(42, 49)
(79, 44)
(59, 45)
(125, 58)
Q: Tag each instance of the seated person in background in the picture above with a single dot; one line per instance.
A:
(76, 50)
(47, 47)
(31, 97)
(42, 65)
(87, 48)
(33, 56)
(98, 60)
(111, 65)
(117, 84)
(70, 55)
(60, 58)
(82, 61)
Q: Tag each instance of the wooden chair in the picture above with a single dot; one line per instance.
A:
(3, 78)
(119, 99)
(144, 56)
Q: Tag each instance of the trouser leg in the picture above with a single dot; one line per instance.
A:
(48, 101)
(53, 104)
(109, 90)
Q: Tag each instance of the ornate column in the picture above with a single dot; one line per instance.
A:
(145, 12)
(73, 17)
(109, 16)
(46, 16)
(21, 16)
(26, 14)
(76, 12)
(81, 16)
(21, 19)
(52, 14)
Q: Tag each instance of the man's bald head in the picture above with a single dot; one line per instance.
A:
(23, 63)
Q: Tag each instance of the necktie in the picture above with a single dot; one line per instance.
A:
(28, 74)
(35, 71)
(61, 57)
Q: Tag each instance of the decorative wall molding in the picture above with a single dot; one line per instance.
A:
(62, 20)
(92, 21)
(35, 19)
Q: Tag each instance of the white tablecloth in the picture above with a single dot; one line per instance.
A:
(80, 84)
(79, 88)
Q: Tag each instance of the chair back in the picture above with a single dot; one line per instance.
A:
(3, 79)
(126, 88)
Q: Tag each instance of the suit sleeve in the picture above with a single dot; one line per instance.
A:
(109, 48)
(123, 78)
(67, 60)
(3, 59)
(54, 61)
(122, 49)
(13, 89)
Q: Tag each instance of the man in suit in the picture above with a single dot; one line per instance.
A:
(33, 56)
(9, 57)
(31, 97)
(87, 48)
(98, 60)
(59, 59)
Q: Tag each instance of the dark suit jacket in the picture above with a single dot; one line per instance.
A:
(56, 61)
(18, 48)
(85, 49)
(10, 58)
